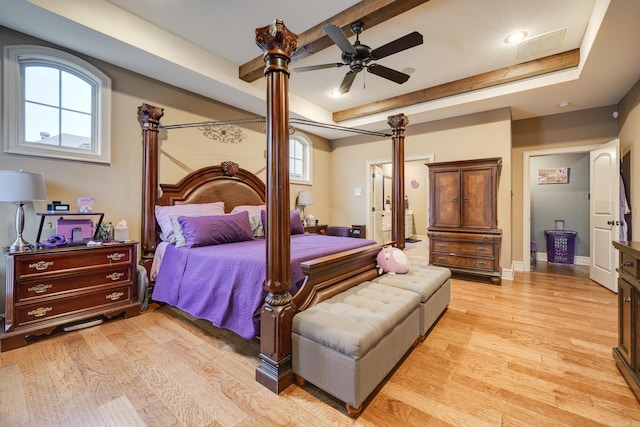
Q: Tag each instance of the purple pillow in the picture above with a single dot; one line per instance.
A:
(294, 220)
(216, 230)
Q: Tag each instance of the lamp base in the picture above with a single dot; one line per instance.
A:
(20, 245)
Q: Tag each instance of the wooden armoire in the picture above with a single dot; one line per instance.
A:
(463, 222)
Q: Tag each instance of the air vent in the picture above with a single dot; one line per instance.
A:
(542, 44)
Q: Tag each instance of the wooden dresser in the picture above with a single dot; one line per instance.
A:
(463, 221)
(50, 290)
(627, 352)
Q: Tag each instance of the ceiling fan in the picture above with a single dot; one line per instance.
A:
(359, 56)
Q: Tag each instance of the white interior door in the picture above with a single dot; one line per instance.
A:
(604, 215)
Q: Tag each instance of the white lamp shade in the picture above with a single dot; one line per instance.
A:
(21, 186)
(305, 198)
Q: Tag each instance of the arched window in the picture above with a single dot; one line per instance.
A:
(300, 150)
(56, 105)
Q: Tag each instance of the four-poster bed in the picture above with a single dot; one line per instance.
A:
(325, 275)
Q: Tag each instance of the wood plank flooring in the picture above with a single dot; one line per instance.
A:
(535, 351)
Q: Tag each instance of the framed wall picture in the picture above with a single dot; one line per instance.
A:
(553, 176)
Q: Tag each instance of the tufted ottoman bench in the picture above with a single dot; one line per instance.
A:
(432, 283)
(349, 343)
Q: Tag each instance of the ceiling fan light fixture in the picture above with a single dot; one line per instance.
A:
(335, 93)
(515, 37)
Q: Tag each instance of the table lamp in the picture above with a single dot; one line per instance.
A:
(305, 198)
(21, 187)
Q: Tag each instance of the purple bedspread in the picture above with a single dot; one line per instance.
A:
(225, 283)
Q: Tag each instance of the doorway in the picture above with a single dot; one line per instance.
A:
(416, 186)
(526, 192)
(599, 247)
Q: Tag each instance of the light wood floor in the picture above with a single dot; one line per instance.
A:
(535, 351)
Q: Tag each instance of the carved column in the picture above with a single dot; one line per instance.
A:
(278, 44)
(398, 124)
(149, 118)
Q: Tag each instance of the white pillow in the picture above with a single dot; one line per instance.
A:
(164, 213)
(254, 217)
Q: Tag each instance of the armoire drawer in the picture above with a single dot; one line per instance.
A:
(452, 260)
(457, 247)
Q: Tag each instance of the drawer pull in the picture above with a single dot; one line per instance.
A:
(115, 296)
(626, 299)
(40, 311)
(627, 264)
(117, 256)
(482, 264)
(442, 259)
(40, 288)
(41, 265)
(443, 245)
(115, 276)
(482, 249)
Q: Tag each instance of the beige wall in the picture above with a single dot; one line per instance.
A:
(580, 128)
(476, 136)
(629, 119)
(117, 187)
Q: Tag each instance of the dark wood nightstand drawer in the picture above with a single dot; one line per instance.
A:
(629, 265)
(54, 308)
(317, 229)
(47, 286)
(47, 263)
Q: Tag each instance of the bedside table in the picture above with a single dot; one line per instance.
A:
(317, 229)
(51, 290)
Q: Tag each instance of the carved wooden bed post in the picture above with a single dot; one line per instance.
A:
(398, 124)
(278, 44)
(149, 118)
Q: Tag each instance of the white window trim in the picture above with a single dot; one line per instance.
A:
(309, 158)
(13, 114)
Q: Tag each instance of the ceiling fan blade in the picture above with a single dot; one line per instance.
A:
(318, 67)
(339, 38)
(388, 73)
(345, 86)
(398, 45)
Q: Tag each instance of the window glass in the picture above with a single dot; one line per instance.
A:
(300, 159)
(57, 105)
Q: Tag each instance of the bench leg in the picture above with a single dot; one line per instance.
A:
(299, 380)
(353, 412)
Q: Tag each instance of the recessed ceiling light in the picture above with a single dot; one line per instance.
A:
(409, 70)
(515, 37)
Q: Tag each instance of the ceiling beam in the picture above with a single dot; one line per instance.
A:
(537, 67)
(369, 12)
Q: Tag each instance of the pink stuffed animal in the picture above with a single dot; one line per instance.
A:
(392, 260)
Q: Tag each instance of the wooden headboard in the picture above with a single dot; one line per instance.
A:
(227, 183)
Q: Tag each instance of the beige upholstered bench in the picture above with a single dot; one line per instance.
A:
(349, 343)
(432, 283)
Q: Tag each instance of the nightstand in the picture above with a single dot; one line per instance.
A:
(58, 289)
(317, 229)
